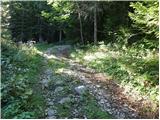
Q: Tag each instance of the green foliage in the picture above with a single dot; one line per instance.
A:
(122, 35)
(92, 110)
(145, 16)
(113, 22)
(24, 19)
(129, 55)
(59, 15)
(43, 46)
(50, 19)
(20, 67)
(25, 115)
(135, 66)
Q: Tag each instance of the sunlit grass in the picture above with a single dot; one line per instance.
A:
(137, 68)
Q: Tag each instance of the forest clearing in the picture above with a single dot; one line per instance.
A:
(79, 60)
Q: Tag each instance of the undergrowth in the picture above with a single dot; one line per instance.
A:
(43, 46)
(20, 97)
(135, 66)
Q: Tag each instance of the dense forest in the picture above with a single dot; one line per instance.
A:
(79, 59)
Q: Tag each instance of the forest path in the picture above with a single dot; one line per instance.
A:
(67, 87)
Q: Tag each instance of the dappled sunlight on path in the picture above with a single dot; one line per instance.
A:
(47, 56)
(110, 96)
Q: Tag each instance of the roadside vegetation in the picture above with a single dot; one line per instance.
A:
(117, 38)
(20, 93)
(135, 67)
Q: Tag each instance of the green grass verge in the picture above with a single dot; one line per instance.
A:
(20, 96)
(137, 67)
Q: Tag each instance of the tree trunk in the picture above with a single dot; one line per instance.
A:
(40, 31)
(60, 36)
(40, 25)
(22, 27)
(40, 38)
(81, 30)
(95, 24)
(80, 23)
(22, 37)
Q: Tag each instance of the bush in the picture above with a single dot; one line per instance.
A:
(145, 16)
(20, 66)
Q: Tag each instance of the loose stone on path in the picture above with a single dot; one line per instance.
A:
(65, 100)
(58, 90)
(80, 89)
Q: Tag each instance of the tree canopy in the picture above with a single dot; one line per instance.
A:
(81, 21)
(79, 59)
